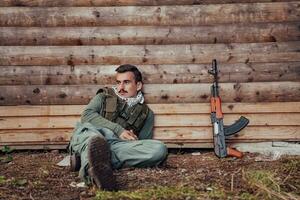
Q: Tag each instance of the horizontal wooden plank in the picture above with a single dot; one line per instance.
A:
(274, 133)
(193, 15)
(182, 145)
(150, 54)
(188, 120)
(192, 108)
(38, 122)
(154, 93)
(204, 119)
(169, 144)
(147, 35)
(248, 133)
(29, 146)
(56, 3)
(43, 135)
(44, 110)
(47, 146)
(206, 144)
(200, 137)
(152, 74)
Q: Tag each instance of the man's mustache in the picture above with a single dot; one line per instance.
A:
(123, 91)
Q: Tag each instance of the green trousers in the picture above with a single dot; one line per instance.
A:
(138, 153)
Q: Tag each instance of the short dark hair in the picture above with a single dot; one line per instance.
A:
(131, 68)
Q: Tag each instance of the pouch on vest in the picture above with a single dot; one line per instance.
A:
(110, 107)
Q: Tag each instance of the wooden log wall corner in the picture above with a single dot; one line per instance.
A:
(54, 55)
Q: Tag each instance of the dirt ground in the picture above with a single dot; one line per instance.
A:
(35, 175)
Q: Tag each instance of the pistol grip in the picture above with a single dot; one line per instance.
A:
(234, 153)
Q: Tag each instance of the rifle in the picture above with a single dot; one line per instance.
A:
(221, 132)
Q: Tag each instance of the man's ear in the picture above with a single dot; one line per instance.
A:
(139, 85)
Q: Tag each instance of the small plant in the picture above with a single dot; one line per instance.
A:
(18, 182)
(6, 150)
(2, 180)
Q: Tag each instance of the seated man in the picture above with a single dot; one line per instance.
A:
(115, 132)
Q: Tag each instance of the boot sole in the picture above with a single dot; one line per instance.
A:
(100, 168)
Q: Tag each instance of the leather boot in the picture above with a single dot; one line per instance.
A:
(75, 162)
(100, 169)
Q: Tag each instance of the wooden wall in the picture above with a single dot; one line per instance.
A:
(60, 52)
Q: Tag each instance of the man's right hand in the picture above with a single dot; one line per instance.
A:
(128, 135)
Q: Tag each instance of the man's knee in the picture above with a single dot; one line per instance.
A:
(159, 152)
(79, 141)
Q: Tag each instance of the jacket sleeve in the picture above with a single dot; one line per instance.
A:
(92, 114)
(147, 130)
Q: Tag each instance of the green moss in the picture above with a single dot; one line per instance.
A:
(2, 180)
(18, 182)
(216, 193)
(264, 179)
(247, 196)
(266, 185)
(6, 150)
(151, 193)
(292, 165)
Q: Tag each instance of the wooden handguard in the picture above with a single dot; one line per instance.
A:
(234, 153)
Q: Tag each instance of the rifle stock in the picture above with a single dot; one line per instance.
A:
(234, 153)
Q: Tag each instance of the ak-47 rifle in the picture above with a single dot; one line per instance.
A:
(221, 132)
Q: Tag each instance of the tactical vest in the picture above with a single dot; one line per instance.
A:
(117, 110)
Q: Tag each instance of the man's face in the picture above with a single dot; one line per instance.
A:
(126, 85)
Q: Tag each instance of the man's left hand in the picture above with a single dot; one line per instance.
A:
(128, 135)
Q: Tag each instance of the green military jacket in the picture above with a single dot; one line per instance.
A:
(96, 106)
